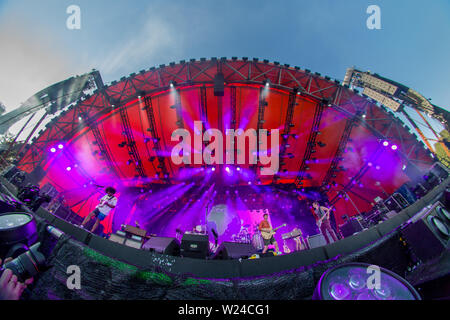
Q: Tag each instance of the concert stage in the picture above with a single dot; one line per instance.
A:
(188, 222)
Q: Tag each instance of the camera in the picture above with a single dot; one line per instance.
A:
(28, 264)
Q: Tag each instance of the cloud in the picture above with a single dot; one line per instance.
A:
(154, 37)
(29, 60)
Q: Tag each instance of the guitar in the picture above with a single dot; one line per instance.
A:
(286, 248)
(326, 216)
(267, 235)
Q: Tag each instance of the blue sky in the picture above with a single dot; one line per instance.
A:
(121, 37)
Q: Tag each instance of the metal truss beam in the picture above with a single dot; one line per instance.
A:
(131, 142)
(310, 144)
(287, 128)
(236, 71)
(148, 107)
(349, 125)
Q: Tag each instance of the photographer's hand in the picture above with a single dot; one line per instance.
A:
(10, 287)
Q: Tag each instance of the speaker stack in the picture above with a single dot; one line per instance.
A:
(429, 232)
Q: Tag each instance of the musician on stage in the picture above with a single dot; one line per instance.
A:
(299, 242)
(322, 215)
(101, 211)
(266, 227)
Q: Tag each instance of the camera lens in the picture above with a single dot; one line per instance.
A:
(28, 264)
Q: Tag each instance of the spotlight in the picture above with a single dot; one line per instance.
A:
(266, 83)
(394, 147)
(53, 149)
(238, 168)
(213, 169)
(60, 146)
(172, 84)
(353, 281)
(69, 168)
(385, 143)
(227, 169)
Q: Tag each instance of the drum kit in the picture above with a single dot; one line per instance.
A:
(245, 236)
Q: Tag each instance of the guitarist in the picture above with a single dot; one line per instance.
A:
(322, 215)
(266, 227)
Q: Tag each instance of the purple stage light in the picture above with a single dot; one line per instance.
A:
(60, 146)
(394, 147)
(227, 169)
(69, 168)
(53, 150)
(350, 282)
(238, 169)
(385, 143)
(213, 169)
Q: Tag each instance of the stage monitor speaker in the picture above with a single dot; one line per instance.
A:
(63, 212)
(163, 245)
(351, 227)
(234, 250)
(316, 241)
(352, 243)
(429, 235)
(43, 213)
(194, 246)
(75, 232)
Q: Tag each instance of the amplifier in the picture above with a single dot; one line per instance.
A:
(118, 237)
(316, 241)
(396, 202)
(134, 242)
